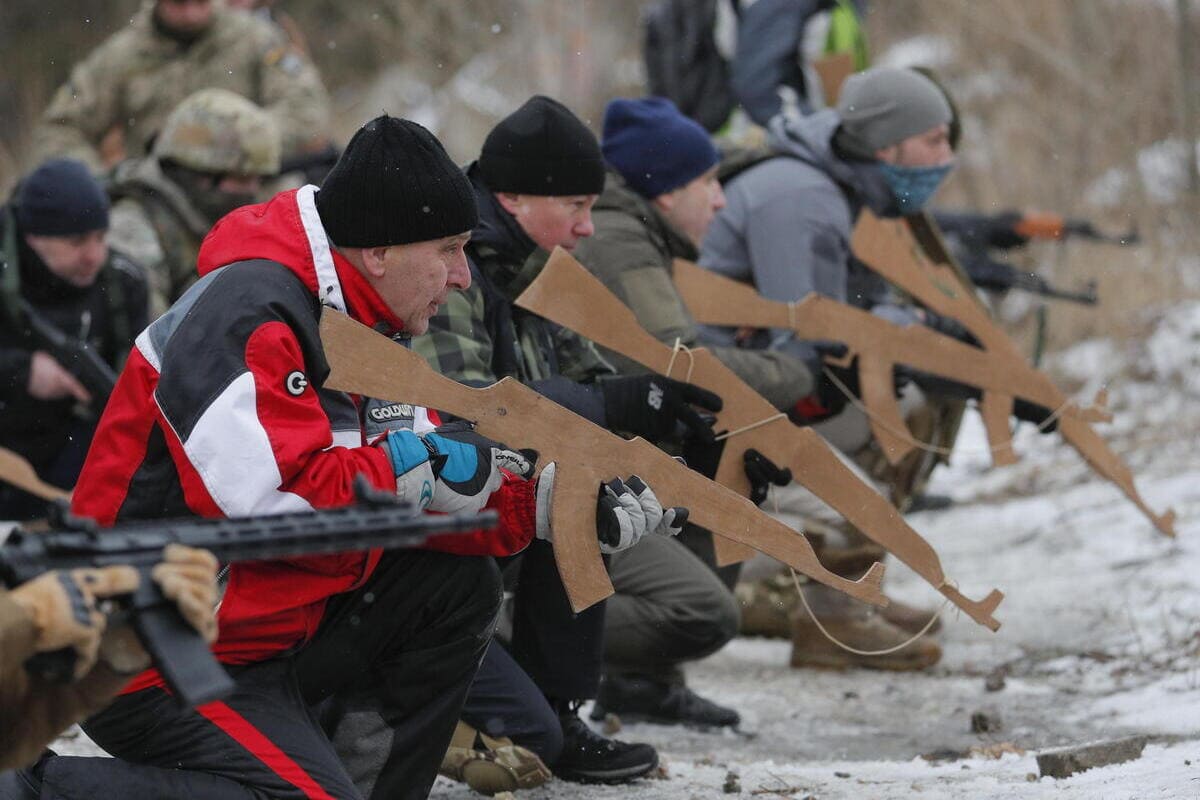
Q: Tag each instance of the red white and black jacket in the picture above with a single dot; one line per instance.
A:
(221, 411)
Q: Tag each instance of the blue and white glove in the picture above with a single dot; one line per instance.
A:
(454, 471)
(625, 512)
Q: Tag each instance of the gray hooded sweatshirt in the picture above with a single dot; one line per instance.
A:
(787, 221)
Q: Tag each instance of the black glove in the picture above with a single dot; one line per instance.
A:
(652, 406)
(763, 472)
(937, 386)
(948, 326)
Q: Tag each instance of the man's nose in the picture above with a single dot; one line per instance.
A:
(459, 276)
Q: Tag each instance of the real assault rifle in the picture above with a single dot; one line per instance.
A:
(191, 671)
(972, 235)
(77, 356)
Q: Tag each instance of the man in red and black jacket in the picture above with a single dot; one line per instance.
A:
(221, 411)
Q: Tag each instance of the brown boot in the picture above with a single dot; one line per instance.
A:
(767, 606)
(910, 618)
(490, 765)
(862, 631)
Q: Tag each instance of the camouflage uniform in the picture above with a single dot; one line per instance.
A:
(632, 251)
(153, 218)
(136, 77)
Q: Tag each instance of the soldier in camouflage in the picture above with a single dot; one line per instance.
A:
(171, 49)
(211, 157)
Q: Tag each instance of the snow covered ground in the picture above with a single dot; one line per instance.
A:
(1100, 636)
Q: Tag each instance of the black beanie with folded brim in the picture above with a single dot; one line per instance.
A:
(394, 184)
(542, 149)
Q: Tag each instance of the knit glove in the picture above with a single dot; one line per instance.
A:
(653, 407)
(625, 512)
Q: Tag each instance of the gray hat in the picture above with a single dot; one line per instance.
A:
(881, 107)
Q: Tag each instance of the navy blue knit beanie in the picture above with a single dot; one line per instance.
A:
(654, 146)
(61, 198)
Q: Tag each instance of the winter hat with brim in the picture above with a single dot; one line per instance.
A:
(881, 107)
(394, 184)
(654, 147)
(542, 149)
(61, 198)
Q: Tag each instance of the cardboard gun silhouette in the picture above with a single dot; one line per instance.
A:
(567, 294)
(367, 363)
(896, 251)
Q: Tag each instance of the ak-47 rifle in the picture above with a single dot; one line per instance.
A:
(367, 363)
(972, 235)
(567, 294)
(188, 666)
(900, 252)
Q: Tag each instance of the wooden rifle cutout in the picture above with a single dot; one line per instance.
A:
(567, 294)
(367, 363)
(832, 71)
(998, 369)
(17, 471)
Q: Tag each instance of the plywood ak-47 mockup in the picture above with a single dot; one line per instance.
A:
(567, 294)
(894, 249)
(364, 362)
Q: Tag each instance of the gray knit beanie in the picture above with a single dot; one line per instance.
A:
(882, 106)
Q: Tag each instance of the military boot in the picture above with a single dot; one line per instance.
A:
(867, 631)
(588, 757)
(490, 765)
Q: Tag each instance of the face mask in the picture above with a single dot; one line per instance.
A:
(913, 186)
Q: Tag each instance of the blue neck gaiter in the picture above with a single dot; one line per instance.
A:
(913, 186)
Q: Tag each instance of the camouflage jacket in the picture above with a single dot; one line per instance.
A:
(135, 78)
(632, 251)
(479, 336)
(153, 221)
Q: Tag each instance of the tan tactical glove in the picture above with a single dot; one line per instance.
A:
(188, 578)
(62, 606)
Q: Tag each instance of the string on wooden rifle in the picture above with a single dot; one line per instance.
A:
(908, 438)
(833, 639)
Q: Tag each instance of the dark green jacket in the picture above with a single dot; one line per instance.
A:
(632, 251)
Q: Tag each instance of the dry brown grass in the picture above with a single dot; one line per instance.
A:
(1054, 94)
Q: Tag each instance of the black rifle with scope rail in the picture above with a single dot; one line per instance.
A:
(187, 664)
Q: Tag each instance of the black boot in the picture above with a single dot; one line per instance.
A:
(639, 698)
(588, 757)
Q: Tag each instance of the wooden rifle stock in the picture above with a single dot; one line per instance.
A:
(567, 294)
(367, 363)
(997, 368)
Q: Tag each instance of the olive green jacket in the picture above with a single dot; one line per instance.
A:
(632, 251)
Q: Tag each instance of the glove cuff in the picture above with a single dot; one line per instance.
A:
(405, 450)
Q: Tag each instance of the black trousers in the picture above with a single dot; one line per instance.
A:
(562, 651)
(398, 653)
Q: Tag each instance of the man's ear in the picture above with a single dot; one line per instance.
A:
(888, 154)
(665, 202)
(374, 259)
(509, 202)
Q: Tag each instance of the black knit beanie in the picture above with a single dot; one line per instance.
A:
(394, 184)
(542, 149)
(61, 198)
